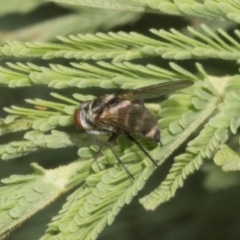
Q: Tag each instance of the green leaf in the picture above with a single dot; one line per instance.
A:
(39, 189)
(227, 159)
(213, 135)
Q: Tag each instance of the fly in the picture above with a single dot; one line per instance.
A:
(117, 114)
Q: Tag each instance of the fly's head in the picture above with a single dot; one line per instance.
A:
(81, 116)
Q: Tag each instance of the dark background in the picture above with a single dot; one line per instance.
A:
(207, 207)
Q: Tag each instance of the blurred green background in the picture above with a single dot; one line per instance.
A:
(207, 207)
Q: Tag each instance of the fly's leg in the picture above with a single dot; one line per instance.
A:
(100, 145)
(132, 139)
(112, 138)
(160, 142)
(119, 160)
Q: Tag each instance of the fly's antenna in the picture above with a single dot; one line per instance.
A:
(132, 139)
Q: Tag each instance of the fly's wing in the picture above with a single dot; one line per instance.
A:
(156, 90)
(132, 117)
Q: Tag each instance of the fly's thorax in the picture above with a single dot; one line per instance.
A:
(116, 110)
(87, 116)
(99, 104)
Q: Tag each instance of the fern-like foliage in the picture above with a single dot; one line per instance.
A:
(210, 108)
(216, 9)
(214, 134)
(127, 46)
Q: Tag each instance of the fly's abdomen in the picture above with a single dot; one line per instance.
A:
(137, 118)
